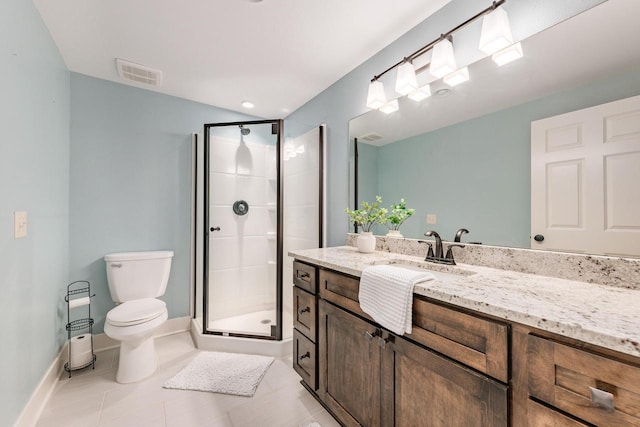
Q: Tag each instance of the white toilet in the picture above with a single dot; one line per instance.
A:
(135, 280)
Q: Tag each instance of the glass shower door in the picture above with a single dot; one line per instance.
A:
(243, 247)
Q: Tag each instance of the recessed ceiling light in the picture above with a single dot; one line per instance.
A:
(247, 104)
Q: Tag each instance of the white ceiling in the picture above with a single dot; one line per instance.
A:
(277, 54)
(597, 43)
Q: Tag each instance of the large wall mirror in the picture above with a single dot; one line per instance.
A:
(463, 156)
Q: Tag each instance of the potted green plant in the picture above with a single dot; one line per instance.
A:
(398, 214)
(370, 215)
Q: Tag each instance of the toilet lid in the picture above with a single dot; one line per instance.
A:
(136, 311)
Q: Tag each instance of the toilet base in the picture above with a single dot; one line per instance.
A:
(138, 360)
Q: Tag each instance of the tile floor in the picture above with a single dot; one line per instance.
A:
(93, 398)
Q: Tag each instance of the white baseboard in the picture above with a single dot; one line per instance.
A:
(40, 396)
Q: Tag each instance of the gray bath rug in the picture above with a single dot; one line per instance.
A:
(228, 373)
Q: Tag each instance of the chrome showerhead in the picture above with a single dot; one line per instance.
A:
(244, 131)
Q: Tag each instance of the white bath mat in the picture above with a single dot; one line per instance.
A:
(228, 373)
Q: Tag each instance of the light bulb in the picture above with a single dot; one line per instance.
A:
(390, 107)
(496, 32)
(508, 54)
(443, 60)
(406, 81)
(376, 97)
(421, 93)
(457, 77)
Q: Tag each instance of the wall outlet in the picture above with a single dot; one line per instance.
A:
(19, 224)
(431, 219)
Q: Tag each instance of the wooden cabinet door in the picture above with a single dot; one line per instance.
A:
(349, 366)
(421, 388)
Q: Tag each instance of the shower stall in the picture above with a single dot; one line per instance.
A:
(260, 196)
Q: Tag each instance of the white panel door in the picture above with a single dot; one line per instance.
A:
(585, 180)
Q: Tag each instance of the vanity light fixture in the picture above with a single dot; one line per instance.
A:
(457, 77)
(421, 93)
(406, 81)
(508, 54)
(495, 39)
(443, 61)
(390, 107)
(376, 97)
(496, 31)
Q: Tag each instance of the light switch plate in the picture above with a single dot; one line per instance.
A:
(19, 224)
(431, 219)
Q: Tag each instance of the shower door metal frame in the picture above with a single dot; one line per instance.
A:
(279, 228)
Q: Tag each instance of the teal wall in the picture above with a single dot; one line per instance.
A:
(34, 177)
(131, 181)
(476, 174)
(346, 98)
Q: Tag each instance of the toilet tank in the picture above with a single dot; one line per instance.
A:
(135, 275)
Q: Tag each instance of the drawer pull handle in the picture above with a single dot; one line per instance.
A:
(304, 310)
(303, 275)
(369, 336)
(382, 342)
(306, 355)
(602, 399)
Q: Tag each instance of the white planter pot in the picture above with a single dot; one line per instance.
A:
(366, 242)
(394, 233)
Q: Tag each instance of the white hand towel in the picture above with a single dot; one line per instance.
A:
(386, 294)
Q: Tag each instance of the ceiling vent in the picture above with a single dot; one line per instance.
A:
(138, 73)
(370, 137)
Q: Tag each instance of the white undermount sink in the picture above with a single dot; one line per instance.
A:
(442, 272)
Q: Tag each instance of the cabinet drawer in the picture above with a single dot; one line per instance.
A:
(341, 290)
(478, 343)
(566, 378)
(305, 319)
(304, 359)
(304, 276)
(541, 416)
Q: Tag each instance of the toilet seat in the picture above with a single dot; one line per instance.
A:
(137, 311)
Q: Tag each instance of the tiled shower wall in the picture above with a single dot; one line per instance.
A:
(243, 253)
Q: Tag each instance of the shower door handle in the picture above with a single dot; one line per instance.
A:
(214, 229)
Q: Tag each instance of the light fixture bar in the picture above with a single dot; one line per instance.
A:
(429, 46)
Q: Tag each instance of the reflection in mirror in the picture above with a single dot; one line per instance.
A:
(464, 154)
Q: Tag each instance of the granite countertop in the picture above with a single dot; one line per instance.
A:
(602, 315)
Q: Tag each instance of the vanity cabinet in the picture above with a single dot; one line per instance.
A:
(593, 388)
(371, 377)
(456, 368)
(305, 321)
(349, 366)
(553, 379)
